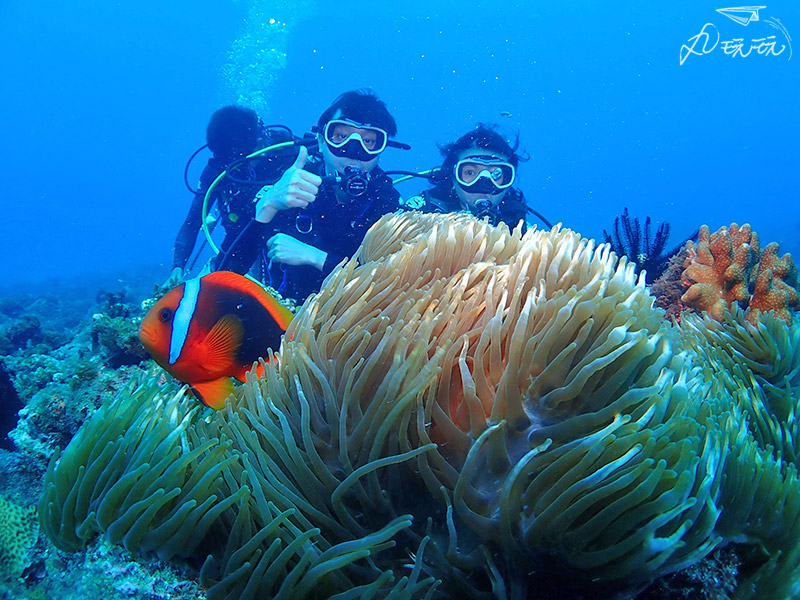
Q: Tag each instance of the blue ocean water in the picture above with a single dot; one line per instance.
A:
(105, 101)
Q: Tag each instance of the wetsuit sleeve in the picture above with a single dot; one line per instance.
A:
(187, 234)
(331, 260)
(243, 251)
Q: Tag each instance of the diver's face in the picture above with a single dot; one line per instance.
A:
(336, 163)
(478, 203)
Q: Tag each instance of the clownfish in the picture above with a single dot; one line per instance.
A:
(212, 328)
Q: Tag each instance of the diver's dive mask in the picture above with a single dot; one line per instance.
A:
(354, 140)
(484, 174)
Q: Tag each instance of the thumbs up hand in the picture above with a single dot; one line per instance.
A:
(295, 189)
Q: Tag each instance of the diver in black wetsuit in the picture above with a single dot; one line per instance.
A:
(319, 210)
(477, 176)
(232, 133)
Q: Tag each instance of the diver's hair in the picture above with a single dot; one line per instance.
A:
(484, 136)
(233, 130)
(362, 106)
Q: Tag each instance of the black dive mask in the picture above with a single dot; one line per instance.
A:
(352, 149)
(483, 185)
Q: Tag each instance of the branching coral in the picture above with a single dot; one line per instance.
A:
(776, 285)
(458, 402)
(727, 267)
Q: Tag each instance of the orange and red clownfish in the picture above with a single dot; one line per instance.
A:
(210, 329)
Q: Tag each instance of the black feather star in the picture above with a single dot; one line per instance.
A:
(644, 251)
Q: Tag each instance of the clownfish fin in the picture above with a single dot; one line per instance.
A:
(222, 343)
(282, 315)
(242, 374)
(213, 393)
(260, 369)
(245, 285)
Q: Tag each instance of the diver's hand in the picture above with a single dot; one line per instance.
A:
(175, 277)
(295, 189)
(286, 249)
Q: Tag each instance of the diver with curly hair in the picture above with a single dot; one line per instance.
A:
(477, 176)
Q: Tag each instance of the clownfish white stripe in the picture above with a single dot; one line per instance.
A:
(183, 318)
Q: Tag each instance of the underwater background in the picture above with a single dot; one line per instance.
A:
(104, 103)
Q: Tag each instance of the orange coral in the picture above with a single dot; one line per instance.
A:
(775, 285)
(727, 267)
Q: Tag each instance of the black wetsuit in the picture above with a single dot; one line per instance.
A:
(326, 224)
(233, 198)
(443, 199)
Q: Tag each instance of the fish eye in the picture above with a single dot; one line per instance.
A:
(165, 315)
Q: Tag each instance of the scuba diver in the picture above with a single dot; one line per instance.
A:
(233, 132)
(319, 210)
(477, 176)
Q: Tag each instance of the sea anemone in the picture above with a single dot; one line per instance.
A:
(459, 407)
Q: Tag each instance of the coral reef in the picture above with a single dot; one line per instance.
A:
(116, 340)
(711, 579)
(61, 379)
(461, 410)
(728, 267)
(26, 330)
(669, 288)
(55, 378)
(18, 532)
(10, 404)
(60, 391)
(101, 571)
(114, 331)
(38, 324)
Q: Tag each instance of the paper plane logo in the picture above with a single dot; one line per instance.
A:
(770, 37)
(741, 14)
